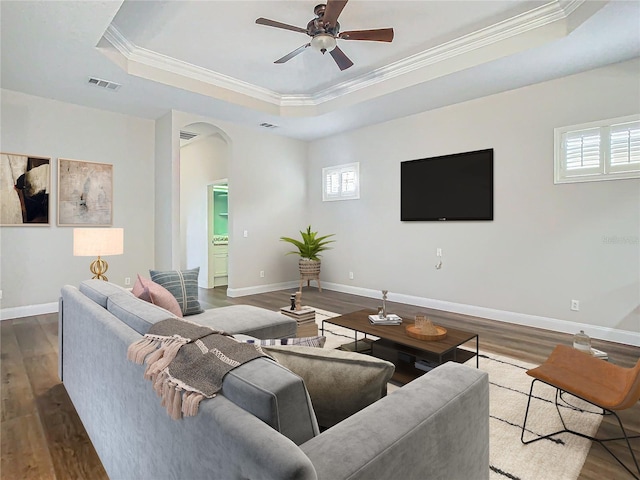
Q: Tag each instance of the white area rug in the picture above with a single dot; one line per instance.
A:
(558, 458)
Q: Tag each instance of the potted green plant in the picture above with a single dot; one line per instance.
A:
(309, 249)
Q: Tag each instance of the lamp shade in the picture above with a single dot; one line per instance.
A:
(94, 242)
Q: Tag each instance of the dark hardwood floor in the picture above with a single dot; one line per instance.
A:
(43, 438)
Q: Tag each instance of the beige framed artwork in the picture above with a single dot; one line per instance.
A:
(25, 182)
(85, 193)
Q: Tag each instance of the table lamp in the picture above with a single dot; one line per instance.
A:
(98, 242)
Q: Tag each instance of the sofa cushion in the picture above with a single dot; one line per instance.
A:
(99, 290)
(339, 383)
(136, 313)
(183, 285)
(150, 291)
(255, 321)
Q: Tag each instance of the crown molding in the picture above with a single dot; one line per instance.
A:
(136, 54)
(534, 19)
(528, 21)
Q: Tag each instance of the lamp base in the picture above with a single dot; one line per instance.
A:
(99, 267)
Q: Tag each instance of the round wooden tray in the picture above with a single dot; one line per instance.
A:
(413, 331)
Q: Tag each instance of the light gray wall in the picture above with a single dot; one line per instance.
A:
(267, 198)
(548, 243)
(36, 261)
(165, 191)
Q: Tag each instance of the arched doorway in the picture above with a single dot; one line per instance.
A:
(204, 157)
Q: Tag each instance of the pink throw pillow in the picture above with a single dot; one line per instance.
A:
(158, 295)
(138, 288)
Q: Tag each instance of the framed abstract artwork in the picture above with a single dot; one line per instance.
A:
(25, 182)
(85, 193)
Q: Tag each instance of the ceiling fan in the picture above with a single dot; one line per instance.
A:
(324, 30)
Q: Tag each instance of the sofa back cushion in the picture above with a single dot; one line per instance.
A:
(136, 313)
(99, 290)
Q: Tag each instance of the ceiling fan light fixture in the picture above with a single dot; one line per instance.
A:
(323, 42)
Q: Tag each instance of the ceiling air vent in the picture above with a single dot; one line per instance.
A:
(268, 125)
(187, 135)
(97, 82)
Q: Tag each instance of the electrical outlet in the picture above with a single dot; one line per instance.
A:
(438, 252)
(575, 305)
(350, 275)
(0, 294)
(127, 280)
(245, 234)
(261, 273)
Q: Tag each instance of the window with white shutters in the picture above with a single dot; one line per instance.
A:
(341, 182)
(605, 150)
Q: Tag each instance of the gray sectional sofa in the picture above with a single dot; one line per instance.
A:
(262, 425)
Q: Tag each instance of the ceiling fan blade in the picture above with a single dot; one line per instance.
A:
(341, 59)
(273, 23)
(289, 56)
(333, 11)
(379, 35)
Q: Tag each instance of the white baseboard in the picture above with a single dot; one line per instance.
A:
(28, 310)
(602, 333)
(547, 323)
(273, 287)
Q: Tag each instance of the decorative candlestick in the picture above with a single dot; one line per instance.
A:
(384, 303)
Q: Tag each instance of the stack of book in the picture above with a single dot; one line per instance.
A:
(390, 319)
(306, 319)
(305, 314)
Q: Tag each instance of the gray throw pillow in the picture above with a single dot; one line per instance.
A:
(183, 284)
(339, 383)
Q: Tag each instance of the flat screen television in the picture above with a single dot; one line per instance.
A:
(450, 187)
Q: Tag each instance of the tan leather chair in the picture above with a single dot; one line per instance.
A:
(596, 381)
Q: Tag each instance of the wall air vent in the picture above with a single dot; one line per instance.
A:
(268, 125)
(187, 135)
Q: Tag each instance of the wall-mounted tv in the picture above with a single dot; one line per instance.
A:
(450, 187)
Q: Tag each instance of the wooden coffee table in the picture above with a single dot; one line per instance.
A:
(404, 351)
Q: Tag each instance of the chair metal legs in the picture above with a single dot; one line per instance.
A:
(601, 441)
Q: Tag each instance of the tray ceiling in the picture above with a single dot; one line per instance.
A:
(211, 58)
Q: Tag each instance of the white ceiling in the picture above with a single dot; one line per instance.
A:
(211, 58)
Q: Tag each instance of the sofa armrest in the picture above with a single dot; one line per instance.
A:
(435, 427)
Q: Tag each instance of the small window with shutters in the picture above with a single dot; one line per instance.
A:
(341, 182)
(605, 150)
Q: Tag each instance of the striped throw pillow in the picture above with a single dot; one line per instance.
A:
(301, 341)
(183, 284)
